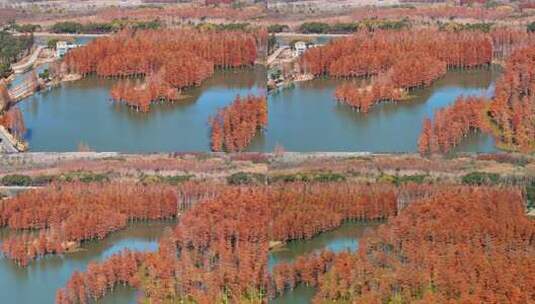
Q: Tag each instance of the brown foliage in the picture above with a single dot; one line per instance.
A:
(513, 108)
(93, 284)
(402, 60)
(368, 54)
(363, 99)
(451, 124)
(141, 96)
(220, 246)
(170, 59)
(305, 270)
(68, 214)
(13, 121)
(418, 70)
(5, 98)
(452, 238)
(322, 207)
(235, 126)
(466, 245)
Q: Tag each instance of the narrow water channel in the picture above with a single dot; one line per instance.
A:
(344, 238)
(38, 282)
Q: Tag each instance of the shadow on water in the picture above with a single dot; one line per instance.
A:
(307, 118)
(38, 282)
(344, 238)
(61, 118)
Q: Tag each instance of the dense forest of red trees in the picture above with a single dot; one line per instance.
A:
(416, 71)
(399, 60)
(68, 214)
(5, 98)
(505, 41)
(511, 112)
(140, 96)
(451, 124)
(322, 207)
(93, 284)
(363, 99)
(219, 249)
(513, 108)
(235, 126)
(170, 59)
(369, 54)
(470, 245)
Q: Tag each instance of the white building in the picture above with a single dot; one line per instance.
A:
(62, 47)
(299, 48)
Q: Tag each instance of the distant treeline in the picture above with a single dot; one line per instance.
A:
(379, 24)
(342, 27)
(70, 27)
(244, 26)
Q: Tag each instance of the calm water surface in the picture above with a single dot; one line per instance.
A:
(303, 119)
(81, 112)
(345, 238)
(307, 117)
(38, 282)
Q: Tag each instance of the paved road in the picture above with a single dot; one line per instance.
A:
(275, 54)
(6, 145)
(27, 64)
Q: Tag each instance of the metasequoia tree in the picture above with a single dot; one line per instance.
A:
(5, 98)
(68, 214)
(323, 207)
(234, 127)
(171, 60)
(447, 247)
(218, 251)
(397, 60)
(93, 284)
(512, 110)
(453, 123)
(13, 121)
(368, 54)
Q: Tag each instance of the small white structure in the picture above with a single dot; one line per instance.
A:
(62, 47)
(300, 48)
